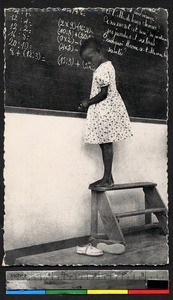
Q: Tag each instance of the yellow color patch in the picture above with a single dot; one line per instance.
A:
(92, 292)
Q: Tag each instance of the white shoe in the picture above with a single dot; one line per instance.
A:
(112, 248)
(89, 250)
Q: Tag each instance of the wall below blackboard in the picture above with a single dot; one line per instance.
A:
(59, 113)
(44, 69)
(44, 153)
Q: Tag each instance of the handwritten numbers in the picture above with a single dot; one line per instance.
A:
(14, 17)
(12, 51)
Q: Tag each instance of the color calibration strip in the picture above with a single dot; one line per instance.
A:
(89, 292)
(60, 282)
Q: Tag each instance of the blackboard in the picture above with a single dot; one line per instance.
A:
(43, 68)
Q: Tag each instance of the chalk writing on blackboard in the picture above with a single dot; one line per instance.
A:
(128, 28)
(76, 11)
(44, 69)
(70, 35)
(20, 35)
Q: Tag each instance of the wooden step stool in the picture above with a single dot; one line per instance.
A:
(100, 203)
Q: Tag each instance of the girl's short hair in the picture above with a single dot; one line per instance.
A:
(91, 43)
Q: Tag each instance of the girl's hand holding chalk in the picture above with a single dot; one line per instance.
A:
(80, 107)
(83, 106)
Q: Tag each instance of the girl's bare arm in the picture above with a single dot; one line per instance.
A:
(99, 97)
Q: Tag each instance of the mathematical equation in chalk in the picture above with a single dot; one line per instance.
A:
(19, 33)
(70, 35)
(120, 29)
(72, 61)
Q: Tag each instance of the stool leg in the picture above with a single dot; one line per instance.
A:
(94, 213)
(148, 219)
(109, 220)
(154, 200)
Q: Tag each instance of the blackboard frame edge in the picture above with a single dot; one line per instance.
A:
(58, 113)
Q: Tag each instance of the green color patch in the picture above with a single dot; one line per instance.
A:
(63, 292)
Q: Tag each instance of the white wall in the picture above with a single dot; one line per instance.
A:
(48, 169)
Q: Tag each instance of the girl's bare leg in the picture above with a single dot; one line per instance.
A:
(107, 154)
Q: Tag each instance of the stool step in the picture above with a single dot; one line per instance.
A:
(140, 228)
(129, 231)
(100, 204)
(139, 212)
(124, 186)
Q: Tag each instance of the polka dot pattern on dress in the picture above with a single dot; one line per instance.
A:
(108, 120)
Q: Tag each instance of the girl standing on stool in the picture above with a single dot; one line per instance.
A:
(107, 117)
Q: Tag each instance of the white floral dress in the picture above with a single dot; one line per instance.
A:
(108, 120)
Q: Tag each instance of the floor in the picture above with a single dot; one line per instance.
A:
(149, 248)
